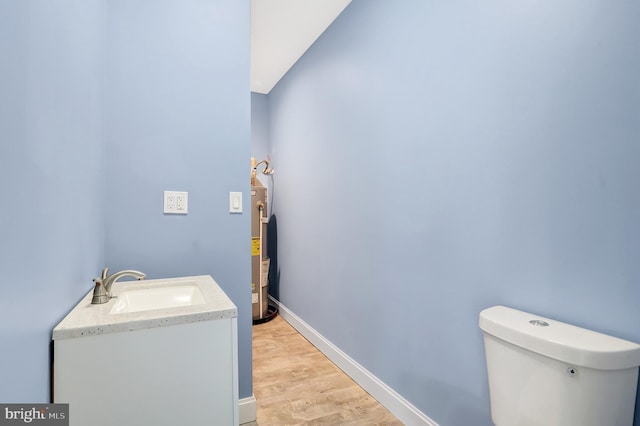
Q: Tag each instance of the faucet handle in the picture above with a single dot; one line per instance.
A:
(105, 273)
(100, 294)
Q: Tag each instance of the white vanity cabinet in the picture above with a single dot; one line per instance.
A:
(170, 366)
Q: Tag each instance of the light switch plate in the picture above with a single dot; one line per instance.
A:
(235, 202)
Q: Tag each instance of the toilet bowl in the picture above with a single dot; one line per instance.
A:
(547, 373)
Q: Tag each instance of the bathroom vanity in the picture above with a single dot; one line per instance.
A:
(160, 352)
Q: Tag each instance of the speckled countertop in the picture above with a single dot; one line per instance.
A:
(86, 319)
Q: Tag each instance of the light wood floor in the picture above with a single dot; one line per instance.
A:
(295, 384)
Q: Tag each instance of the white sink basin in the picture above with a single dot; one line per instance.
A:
(161, 297)
(146, 304)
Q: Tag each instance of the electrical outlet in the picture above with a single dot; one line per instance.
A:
(170, 203)
(182, 202)
(176, 202)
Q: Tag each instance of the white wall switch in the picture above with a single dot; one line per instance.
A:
(235, 202)
(176, 202)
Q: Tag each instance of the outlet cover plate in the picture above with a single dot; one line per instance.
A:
(176, 202)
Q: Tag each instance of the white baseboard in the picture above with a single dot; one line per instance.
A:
(247, 410)
(406, 412)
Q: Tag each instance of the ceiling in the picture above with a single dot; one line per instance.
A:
(281, 31)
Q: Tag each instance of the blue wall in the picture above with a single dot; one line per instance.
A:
(103, 105)
(51, 217)
(178, 118)
(260, 126)
(452, 156)
(260, 145)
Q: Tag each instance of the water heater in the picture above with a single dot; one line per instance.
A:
(259, 260)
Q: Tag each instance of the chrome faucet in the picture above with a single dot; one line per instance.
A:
(102, 290)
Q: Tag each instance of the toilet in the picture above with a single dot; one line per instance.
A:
(547, 373)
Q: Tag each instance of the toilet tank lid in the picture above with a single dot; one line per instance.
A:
(557, 340)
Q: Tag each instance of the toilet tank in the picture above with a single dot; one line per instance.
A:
(547, 373)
